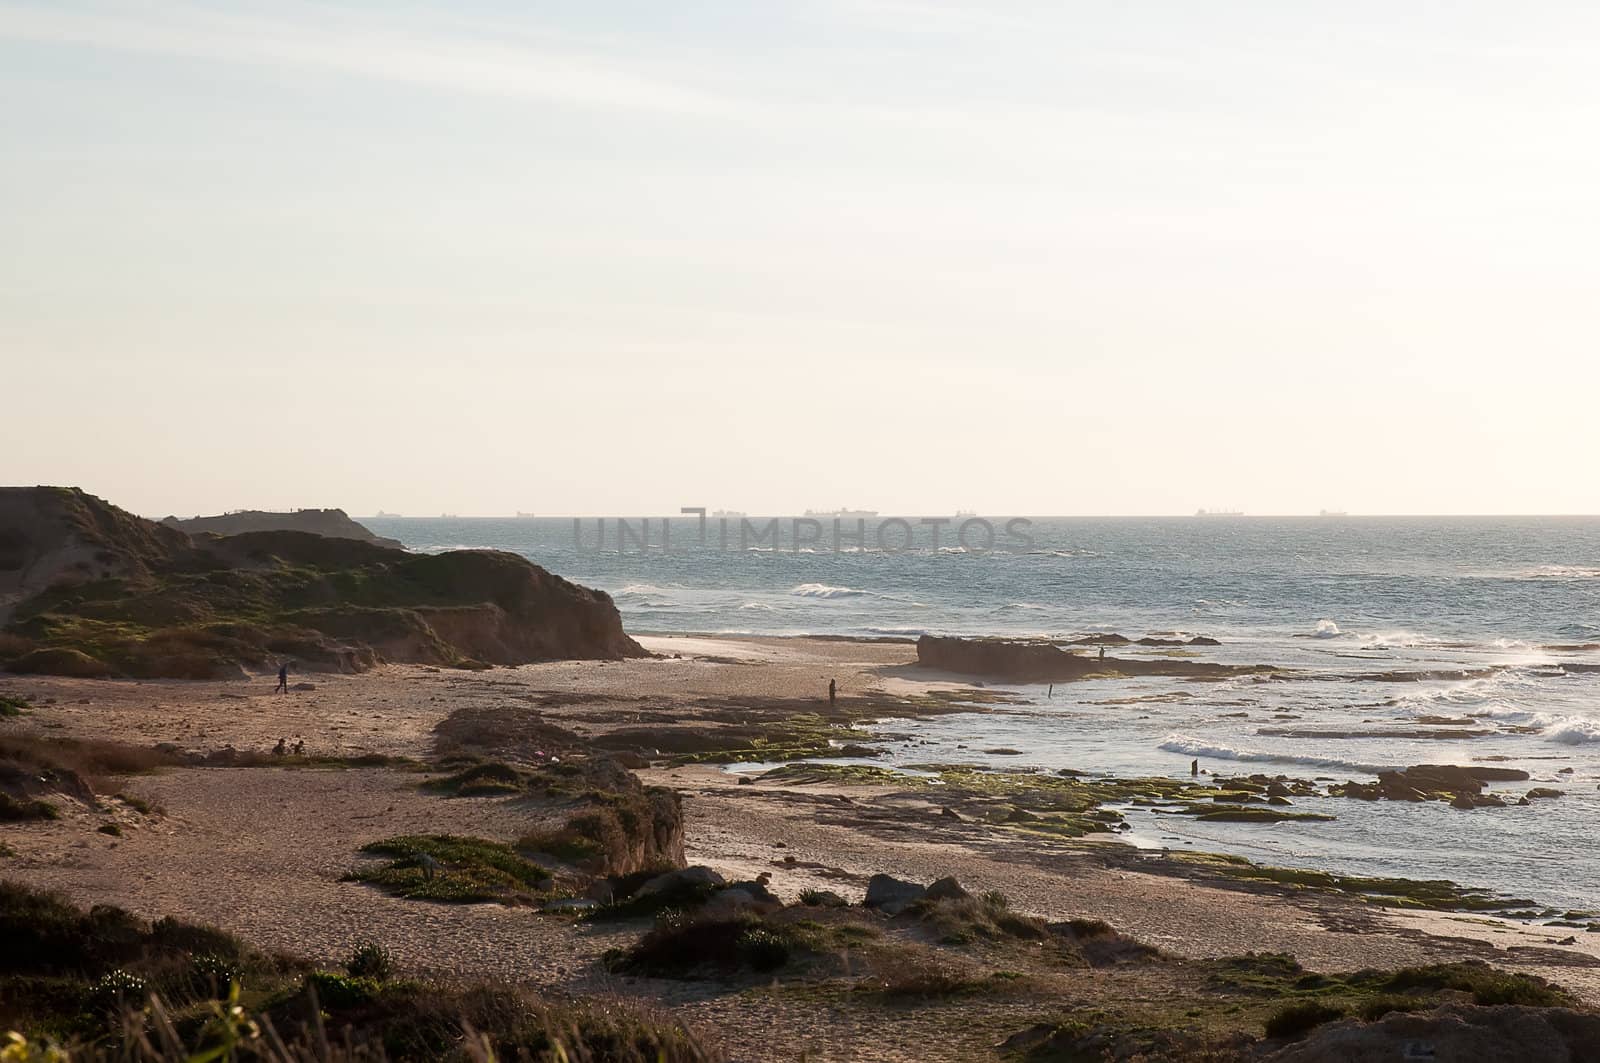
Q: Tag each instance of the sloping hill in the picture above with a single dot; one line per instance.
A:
(333, 523)
(95, 590)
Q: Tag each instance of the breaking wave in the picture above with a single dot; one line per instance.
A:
(823, 590)
(1572, 731)
(1193, 747)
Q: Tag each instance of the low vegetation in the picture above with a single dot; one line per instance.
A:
(443, 867)
(104, 985)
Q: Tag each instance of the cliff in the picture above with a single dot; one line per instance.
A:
(93, 590)
(332, 523)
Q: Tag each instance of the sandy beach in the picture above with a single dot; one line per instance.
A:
(261, 850)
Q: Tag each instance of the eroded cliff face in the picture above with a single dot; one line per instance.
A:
(60, 536)
(110, 593)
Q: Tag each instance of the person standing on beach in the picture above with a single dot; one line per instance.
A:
(283, 680)
(833, 693)
(1102, 651)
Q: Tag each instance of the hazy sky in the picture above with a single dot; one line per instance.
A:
(620, 257)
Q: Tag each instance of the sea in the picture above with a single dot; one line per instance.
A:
(1494, 607)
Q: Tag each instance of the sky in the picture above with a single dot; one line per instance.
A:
(603, 257)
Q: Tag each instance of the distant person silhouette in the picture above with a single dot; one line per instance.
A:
(833, 693)
(283, 680)
(1102, 651)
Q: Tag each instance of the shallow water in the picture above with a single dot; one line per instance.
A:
(1334, 598)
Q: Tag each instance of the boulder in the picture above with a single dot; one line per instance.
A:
(740, 900)
(891, 895)
(684, 879)
(946, 889)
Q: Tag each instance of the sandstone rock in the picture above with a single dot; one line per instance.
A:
(684, 879)
(891, 895)
(1045, 661)
(1502, 1034)
(946, 889)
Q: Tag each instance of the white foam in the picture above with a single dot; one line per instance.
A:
(823, 590)
(1194, 747)
(1572, 731)
(1327, 629)
(1392, 640)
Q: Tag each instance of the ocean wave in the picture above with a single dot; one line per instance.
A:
(1396, 640)
(1556, 573)
(1194, 747)
(763, 606)
(1552, 727)
(918, 631)
(823, 590)
(640, 590)
(1327, 629)
(1572, 731)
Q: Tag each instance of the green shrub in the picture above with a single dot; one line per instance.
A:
(117, 988)
(1376, 1008)
(1487, 985)
(215, 973)
(370, 960)
(678, 946)
(463, 871)
(17, 810)
(1298, 1019)
(341, 991)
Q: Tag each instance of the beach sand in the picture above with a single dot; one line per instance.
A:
(261, 850)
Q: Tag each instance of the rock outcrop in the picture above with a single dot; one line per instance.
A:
(1041, 662)
(89, 588)
(1501, 1034)
(1461, 786)
(330, 523)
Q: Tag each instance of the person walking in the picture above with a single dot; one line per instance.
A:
(833, 693)
(283, 680)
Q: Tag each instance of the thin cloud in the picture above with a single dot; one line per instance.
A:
(370, 50)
